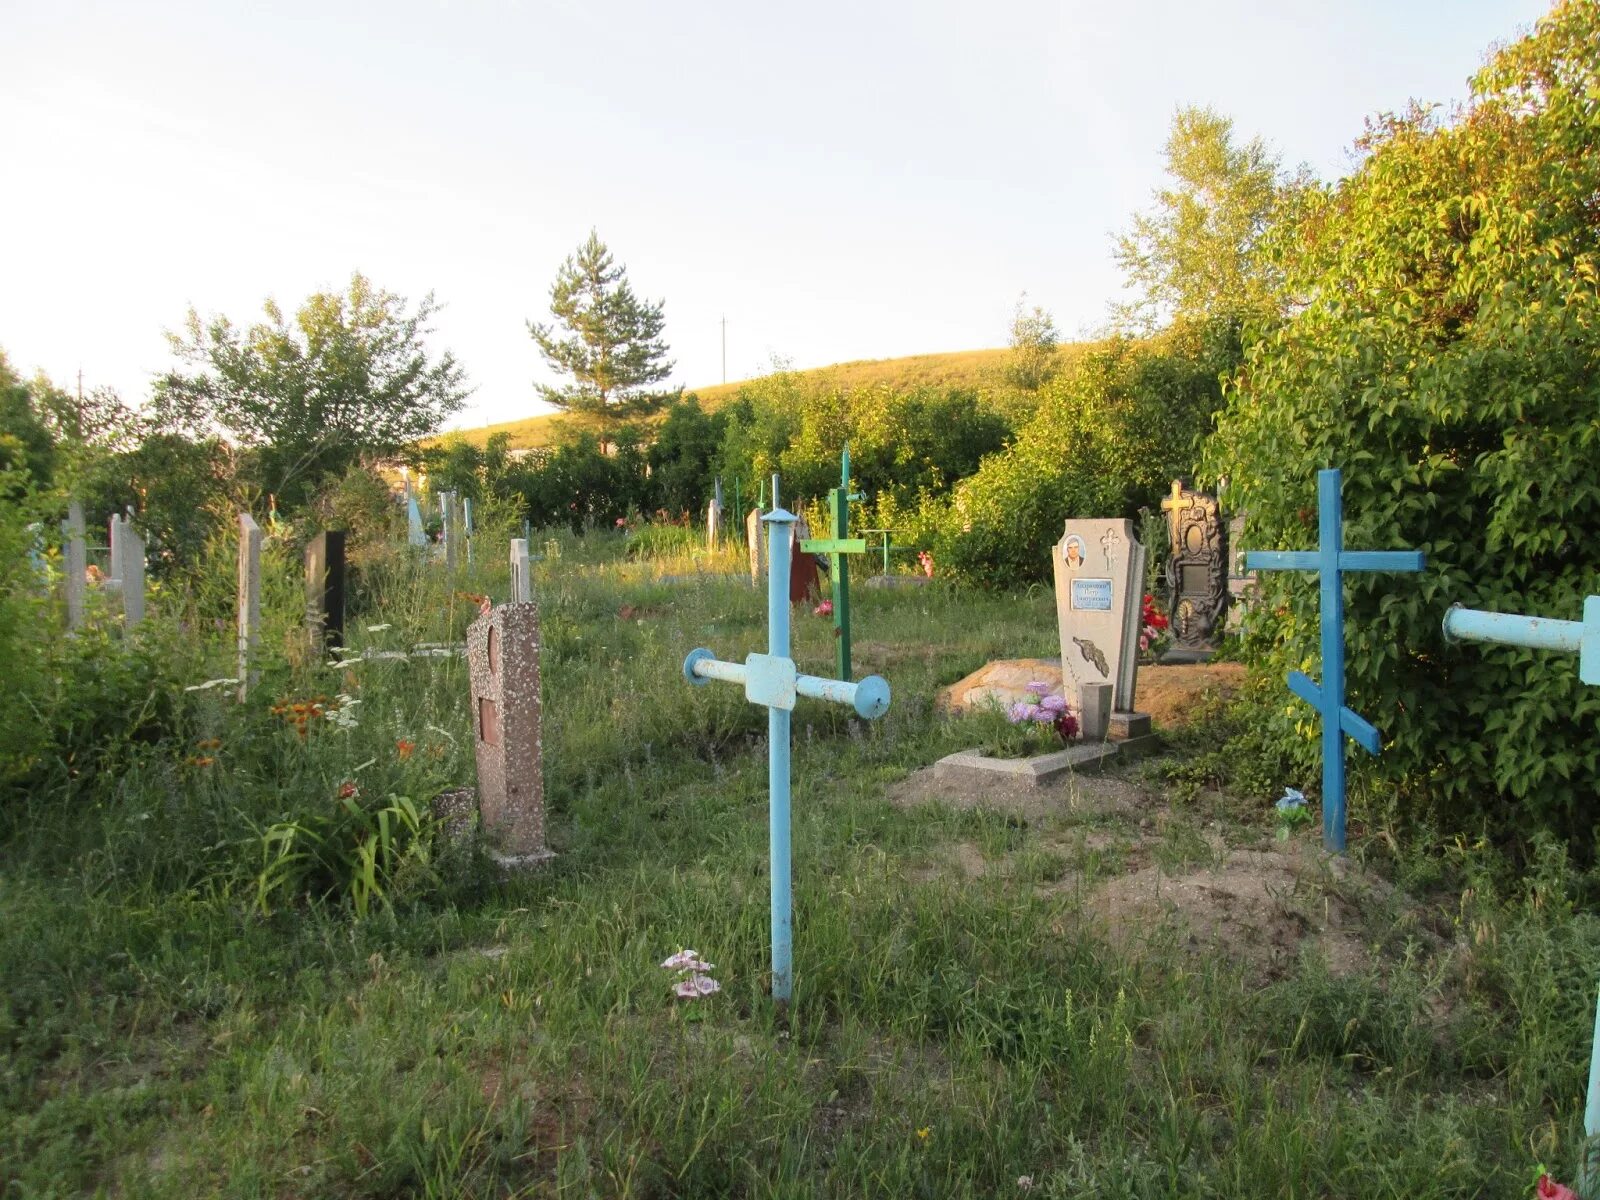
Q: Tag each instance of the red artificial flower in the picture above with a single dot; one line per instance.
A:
(1549, 1189)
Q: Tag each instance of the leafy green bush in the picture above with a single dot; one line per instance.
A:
(1444, 355)
(1107, 438)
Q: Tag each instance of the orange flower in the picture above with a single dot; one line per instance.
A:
(404, 748)
(209, 744)
(483, 602)
(201, 761)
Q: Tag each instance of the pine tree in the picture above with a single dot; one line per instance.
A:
(606, 339)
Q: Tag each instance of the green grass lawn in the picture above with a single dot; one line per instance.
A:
(991, 997)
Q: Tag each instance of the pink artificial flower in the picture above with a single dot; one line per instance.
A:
(697, 985)
(825, 609)
(622, 522)
(1549, 1189)
(1055, 704)
(1144, 641)
(687, 960)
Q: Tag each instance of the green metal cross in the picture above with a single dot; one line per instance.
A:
(836, 548)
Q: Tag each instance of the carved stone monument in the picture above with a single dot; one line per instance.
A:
(503, 662)
(1099, 569)
(325, 589)
(1197, 573)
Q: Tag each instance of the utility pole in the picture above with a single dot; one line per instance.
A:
(724, 348)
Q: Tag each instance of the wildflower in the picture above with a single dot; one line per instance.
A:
(1025, 1183)
(1549, 1189)
(404, 748)
(348, 790)
(1039, 688)
(922, 1134)
(209, 684)
(696, 986)
(209, 744)
(1291, 799)
(825, 609)
(204, 760)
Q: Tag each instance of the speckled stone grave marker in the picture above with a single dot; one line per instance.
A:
(503, 662)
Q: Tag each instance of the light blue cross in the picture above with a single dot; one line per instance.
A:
(1330, 560)
(772, 680)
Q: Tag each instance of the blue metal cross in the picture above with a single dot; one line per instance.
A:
(771, 679)
(1330, 560)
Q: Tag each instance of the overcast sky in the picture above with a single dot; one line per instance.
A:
(840, 181)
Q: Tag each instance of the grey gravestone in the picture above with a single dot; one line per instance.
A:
(756, 541)
(1099, 576)
(127, 569)
(521, 572)
(325, 584)
(249, 597)
(1197, 573)
(714, 519)
(503, 662)
(76, 556)
(1094, 711)
(450, 509)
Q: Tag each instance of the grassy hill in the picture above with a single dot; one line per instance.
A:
(961, 368)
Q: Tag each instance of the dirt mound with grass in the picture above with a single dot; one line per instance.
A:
(1263, 908)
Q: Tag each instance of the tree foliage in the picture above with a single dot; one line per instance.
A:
(1033, 347)
(1197, 251)
(1106, 439)
(349, 376)
(1446, 359)
(605, 338)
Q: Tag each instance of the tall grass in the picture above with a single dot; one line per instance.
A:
(164, 1033)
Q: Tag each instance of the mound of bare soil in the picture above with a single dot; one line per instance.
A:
(1259, 907)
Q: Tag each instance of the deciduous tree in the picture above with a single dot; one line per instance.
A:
(350, 375)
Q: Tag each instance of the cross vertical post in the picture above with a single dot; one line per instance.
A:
(836, 548)
(1331, 560)
(771, 679)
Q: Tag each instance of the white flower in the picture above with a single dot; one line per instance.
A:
(209, 684)
(379, 628)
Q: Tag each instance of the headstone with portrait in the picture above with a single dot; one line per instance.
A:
(1099, 573)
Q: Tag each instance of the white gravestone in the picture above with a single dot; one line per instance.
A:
(127, 569)
(249, 597)
(76, 555)
(521, 572)
(1099, 576)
